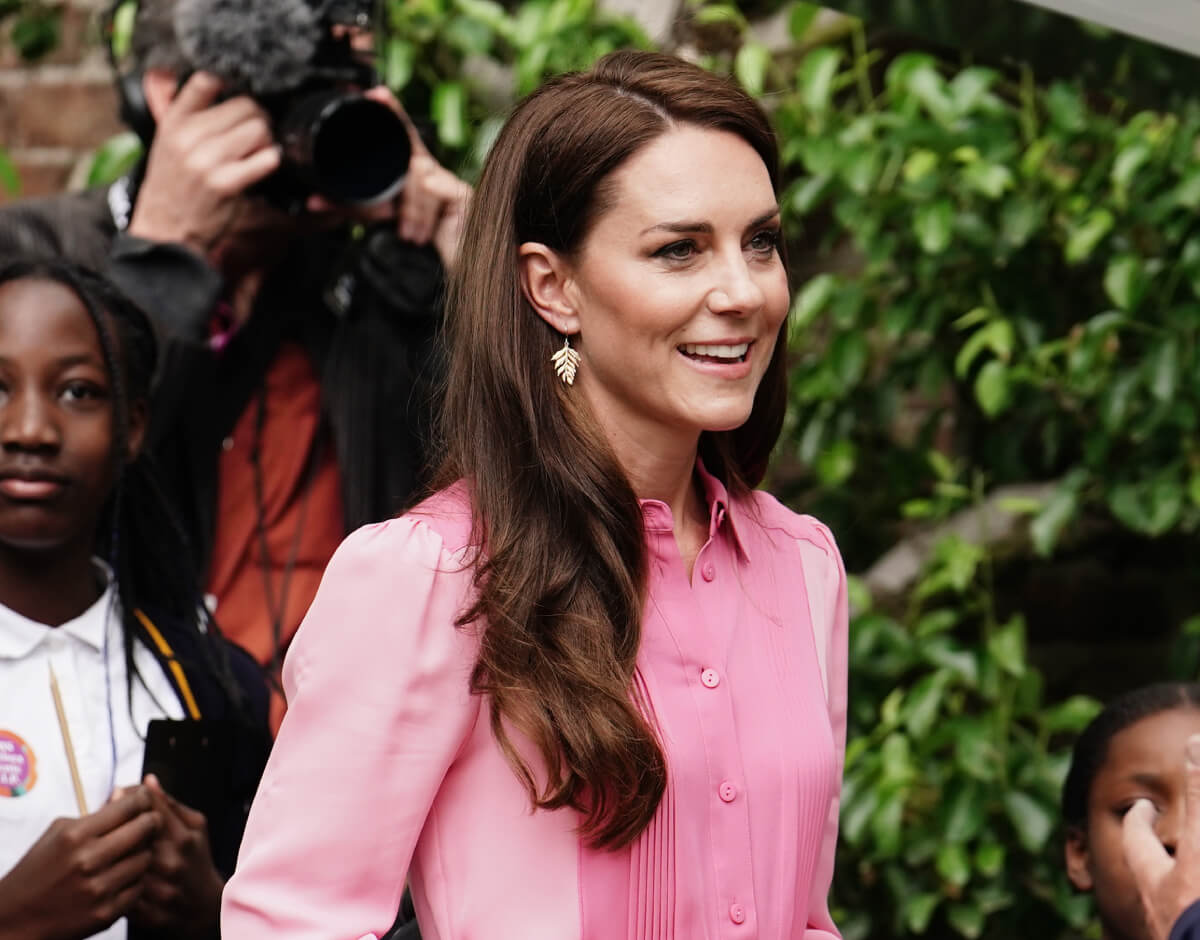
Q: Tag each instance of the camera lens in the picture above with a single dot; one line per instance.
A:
(351, 149)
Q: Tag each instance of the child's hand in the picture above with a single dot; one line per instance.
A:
(82, 874)
(1167, 886)
(181, 890)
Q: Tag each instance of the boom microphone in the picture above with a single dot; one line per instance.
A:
(292, 59)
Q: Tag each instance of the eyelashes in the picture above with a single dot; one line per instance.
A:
(764, 242)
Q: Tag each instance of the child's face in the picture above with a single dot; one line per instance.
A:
(1145, 760)
(56, 419)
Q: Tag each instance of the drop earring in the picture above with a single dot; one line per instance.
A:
(566, 362)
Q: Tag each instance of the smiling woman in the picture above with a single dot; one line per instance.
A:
(594, 686)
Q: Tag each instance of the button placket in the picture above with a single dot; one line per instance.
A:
(710, 678)
(737, 913)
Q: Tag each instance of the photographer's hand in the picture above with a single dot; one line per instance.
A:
(203, 158)
(432, 206)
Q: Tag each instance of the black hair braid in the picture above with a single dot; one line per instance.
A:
(139, 535)
(1091, 747)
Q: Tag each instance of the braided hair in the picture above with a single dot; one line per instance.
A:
(1091, 747)
(138, 535)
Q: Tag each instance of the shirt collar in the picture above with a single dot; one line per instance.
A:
(20, 636)
(657, 517)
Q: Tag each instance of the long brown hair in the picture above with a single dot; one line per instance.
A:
(561, 570)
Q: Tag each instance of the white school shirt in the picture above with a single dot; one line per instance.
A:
(35, 780)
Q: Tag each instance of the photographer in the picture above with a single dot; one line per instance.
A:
(293, 402)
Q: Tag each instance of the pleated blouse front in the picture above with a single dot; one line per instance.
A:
(386, 766)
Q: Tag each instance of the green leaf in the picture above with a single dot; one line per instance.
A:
(399, 57)
(114, 158)
(1031, 819)
(750, 66)
(918, 910)
(1073, 715)
(1086, 236)
(928, 86)
(449, 111)
(966, 919)
(953, 864)
(1048, 525)
(992, 388)
(815, 78)
(1125, 281)
(1151, 508)
(922, 704)
(974, 752)
(997, 336)
(10, 182)
(836, 464)
(887, 824)
(1066, 107)
(969, 88)
(933, 224)
(919, 165)
(720, 13)
(1007, 647)
(989, 859)
(801, 18)
(965, 812)
(848, 357)
(992, 180)
(811, 301)
(808, 194)
(1187, 194)
(1162, 370)
(1128, 162)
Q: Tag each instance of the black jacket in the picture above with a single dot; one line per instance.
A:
(366, 310)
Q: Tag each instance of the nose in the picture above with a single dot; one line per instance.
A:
(736, 291)
(27, 424)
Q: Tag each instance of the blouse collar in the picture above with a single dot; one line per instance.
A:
(657, 517)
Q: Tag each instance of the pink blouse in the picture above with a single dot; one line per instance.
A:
(386, 768)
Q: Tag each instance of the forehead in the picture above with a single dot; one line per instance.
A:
(1153, 746)
(37, 311)
(692, 173)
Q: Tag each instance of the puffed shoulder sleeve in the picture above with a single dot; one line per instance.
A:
(377, 683)
(825, 583)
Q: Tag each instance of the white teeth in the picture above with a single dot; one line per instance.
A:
(717, 352)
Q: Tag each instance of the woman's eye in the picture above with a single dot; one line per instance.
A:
(82, 391)
(677, 251)
(765, 241)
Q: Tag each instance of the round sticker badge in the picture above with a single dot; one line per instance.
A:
(18, 768)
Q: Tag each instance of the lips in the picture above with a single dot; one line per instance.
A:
(31, 485)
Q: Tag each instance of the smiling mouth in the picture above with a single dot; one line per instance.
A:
(736, 352)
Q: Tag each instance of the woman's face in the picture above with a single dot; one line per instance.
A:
(1144, 761)
(679, 289)
(56, 418)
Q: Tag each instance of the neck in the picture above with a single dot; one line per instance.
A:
(666, 471)
(48, 587)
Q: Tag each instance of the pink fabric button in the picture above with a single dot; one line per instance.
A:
(710, 678)
(709, 571)
(737, 913)
(727, 792)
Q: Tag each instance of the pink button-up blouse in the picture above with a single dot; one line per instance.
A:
(386, 768)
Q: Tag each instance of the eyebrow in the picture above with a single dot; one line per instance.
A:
(705, 227)
(1152, 781)
(66, 362)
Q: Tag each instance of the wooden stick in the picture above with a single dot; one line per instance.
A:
(63, 727)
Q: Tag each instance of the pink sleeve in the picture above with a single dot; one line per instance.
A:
(378, 707)
(825, 580)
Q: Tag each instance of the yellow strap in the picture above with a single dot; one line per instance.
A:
(176, 670)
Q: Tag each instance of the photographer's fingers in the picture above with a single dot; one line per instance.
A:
(196, 95)
(1147, 858)
(420, 203)
(383, 95)
(1187, 852)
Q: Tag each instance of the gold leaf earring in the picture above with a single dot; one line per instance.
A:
(566, 362)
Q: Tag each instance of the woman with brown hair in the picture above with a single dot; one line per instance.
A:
(594, 686)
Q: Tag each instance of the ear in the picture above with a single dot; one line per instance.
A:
(139, 418)
(548, 285)
(1078, 859)
(159, 87)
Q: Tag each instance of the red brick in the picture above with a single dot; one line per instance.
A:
(43, 114)
(38, 180)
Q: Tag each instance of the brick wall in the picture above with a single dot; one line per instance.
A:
(53, 114)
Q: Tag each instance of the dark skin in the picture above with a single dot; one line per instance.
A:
(142, 855)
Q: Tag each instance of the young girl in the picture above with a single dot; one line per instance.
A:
(595, 687)
(1132, 750)
(100, 632)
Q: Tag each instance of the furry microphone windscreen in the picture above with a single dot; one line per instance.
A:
(259, 47)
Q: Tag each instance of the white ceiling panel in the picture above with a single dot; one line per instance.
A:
(1173, 23)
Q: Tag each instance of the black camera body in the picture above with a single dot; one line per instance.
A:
(298, 60)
